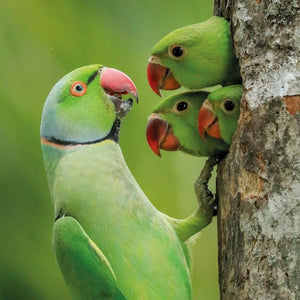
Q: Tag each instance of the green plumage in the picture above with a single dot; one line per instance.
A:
(183, 123)
(74, 118)
(89, 274)
(228, 119)
(208, 57)
(110, 242)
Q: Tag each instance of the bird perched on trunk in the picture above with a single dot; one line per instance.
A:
(195, 122)
(110, 242)
(194, 56)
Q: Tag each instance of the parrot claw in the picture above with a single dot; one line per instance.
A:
(205, 197)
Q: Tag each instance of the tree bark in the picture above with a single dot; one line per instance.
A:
(258, 184)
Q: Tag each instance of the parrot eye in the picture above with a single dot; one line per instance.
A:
(78, 88)
(229, 105)
(176, 51)
(181, 106)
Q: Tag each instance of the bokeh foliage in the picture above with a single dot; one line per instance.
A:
(40, 41)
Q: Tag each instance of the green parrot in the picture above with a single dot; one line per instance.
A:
(194, 56)
(196, 122)
(219, 114)
(110, 242)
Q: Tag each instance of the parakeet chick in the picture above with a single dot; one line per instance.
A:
(194, 56)
(110, 242)
(220, 112)
(195, 122)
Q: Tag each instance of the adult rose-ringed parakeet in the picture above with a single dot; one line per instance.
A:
(109, 240)
(183, 122)
(194, 56)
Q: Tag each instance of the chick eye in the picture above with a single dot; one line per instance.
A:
(182, 106)
(229, 105)
(78, 88)
(176, 50)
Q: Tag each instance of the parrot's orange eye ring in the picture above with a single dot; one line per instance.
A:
(78, 88)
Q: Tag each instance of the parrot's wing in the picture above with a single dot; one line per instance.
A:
(86, 270)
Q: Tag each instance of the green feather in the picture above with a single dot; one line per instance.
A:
(208, 57)
(228, 119)
(185, 124)
(77, 119)
(178, 115)
(108, 237)
(86, 266)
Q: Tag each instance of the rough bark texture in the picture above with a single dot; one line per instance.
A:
(259, 181)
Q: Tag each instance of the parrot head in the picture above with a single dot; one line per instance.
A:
(193, 56)
(86, 105)
(173, 126)
(219, 114)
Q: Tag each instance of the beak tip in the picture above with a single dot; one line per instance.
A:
(202, 135)
(153, 144)
(158, 153)
(158, 92)
(135, 95)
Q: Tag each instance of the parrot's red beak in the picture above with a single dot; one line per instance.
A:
(208, 122)
(160, 135)
(115, 82)
(160, 77)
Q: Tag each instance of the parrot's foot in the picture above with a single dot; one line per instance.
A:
(203, 215)
(206, 199)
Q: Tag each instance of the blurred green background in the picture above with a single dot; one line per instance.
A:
(41, 41)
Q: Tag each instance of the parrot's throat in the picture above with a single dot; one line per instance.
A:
(113, 135)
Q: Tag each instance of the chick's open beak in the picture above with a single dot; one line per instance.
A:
(160, 135)
(208, 122)
(160, 77)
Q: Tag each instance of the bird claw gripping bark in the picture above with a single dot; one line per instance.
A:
(185, 228)
(206, 199)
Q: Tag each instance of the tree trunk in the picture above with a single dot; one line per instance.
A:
(259, 181)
